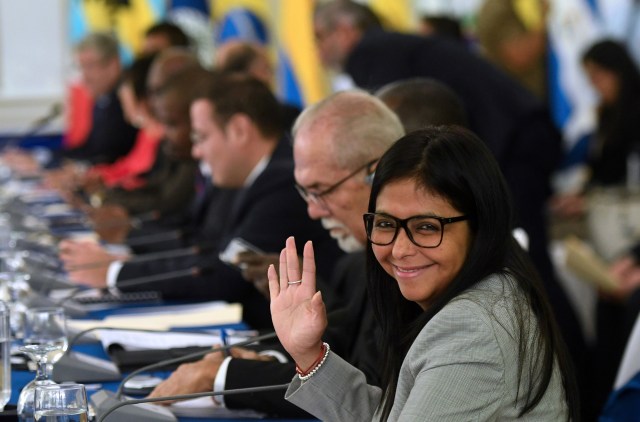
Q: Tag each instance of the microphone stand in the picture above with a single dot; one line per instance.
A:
(37, 125)
(189, 357)
(192, 396)
(108, 402)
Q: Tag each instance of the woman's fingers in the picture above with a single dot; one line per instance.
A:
(289, 273)
(274, 286)
(317, 304)
(293, 270)
(282, 269)
(309, 268)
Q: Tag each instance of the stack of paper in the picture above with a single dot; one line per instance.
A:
(214, 313)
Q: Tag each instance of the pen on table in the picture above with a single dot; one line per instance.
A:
(223, 337)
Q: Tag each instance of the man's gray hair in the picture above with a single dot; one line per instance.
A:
(105, 44)
(360, 127)
(329, 13)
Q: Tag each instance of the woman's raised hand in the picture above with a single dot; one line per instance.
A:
(297, 310)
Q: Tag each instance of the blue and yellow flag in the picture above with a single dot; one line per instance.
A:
(127, 21)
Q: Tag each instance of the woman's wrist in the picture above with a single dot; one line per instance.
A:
(310, 358)
(305, 374)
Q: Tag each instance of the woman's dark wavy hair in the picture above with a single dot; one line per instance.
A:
(453, 163)
(614, 56)
(617, 122)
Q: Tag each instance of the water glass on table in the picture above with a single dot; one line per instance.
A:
(5, 355)
(45, 341)
(60, 403)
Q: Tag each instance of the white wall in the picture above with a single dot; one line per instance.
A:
(34, 61)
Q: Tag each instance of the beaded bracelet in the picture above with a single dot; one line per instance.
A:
(305, 375)
(299, 370)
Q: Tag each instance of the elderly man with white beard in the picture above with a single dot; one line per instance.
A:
(337, 143)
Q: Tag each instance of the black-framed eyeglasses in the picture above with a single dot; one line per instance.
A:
(425, 231)
(317, 197)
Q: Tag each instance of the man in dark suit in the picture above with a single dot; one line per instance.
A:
(170, 183)
(337, 143)
(110, 135)
(239, 135)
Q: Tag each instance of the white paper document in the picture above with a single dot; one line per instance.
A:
(135, 340)
(154, 319)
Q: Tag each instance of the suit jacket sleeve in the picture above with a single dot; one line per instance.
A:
(243, 373)
(166, 192)
(337, 392)
(453, 370)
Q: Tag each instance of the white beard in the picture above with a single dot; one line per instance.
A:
(346, 241)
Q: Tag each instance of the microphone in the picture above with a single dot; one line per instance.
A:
(37, 300)
(79, 310)
(152, 256)
(54, 111)
(38, 124)
(199, 249)
(105, 402)
(42, 122)
(42, 261)
(43, 281)
(187, 272)
(190, 356)
(155, 238)
(105, 405)
(84, 221)
(81, 367)
(135, 221)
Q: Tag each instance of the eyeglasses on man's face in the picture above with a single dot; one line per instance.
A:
(318, 197)
(424, 231)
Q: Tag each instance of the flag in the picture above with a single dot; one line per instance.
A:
(194, 18)
(301, 80)
(572, 25)
(128, 21)
(243, 19)
(397, 15)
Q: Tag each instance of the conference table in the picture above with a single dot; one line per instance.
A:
(19, 378)
(15, 204)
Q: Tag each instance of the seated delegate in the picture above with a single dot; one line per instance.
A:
(467, 332)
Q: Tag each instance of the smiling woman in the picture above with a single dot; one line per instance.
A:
(464, 319)
(420, 258)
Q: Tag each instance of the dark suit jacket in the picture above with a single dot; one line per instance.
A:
(351, 334)
(110, 136)
(199, 223)
(170, 185)
(263, 214)
(513, 124)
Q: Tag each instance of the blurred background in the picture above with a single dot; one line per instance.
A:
(37, 39)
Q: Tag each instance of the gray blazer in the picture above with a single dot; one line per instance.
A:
(461, 367)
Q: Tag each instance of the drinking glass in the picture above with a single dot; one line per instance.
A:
(14, 290)
(60, 403)
(5, 355)
(45, 341)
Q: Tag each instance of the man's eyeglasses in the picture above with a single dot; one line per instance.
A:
(424, 231)
(317, 197)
